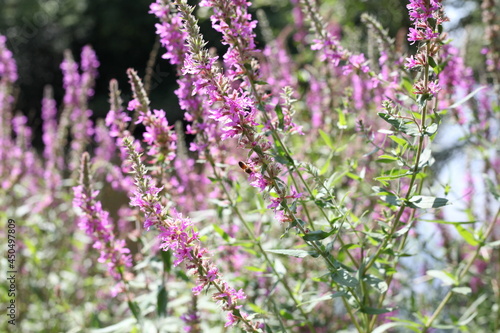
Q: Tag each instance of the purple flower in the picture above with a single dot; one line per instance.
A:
(177, 234)
(95, 222)
(71, 80)
(8, 67)
(425, 30)
(134, 104)
(232, 20)
(434, 87)
(356, 61)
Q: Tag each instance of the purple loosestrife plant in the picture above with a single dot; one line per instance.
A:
(382, 244)
(208, 129)
(235, 110)
(8, 67)
(8, 75)
(232, 20)
(172, 37)
(118, 121)
(159, 136)
(96, 223)
(76, 115)
(177, 234)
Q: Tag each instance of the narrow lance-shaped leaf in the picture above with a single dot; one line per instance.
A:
(466, 98)
(447, 278)
(426, 202)
(291, 253)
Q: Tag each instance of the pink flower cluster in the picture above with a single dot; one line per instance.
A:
(231, 105)
(95, 222)
(427, 17)
(8, 67)
(159, 135)
(177, 235)
(232, 20)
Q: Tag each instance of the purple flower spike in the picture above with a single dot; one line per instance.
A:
(8, 67)
(95, 222)
(177, 234)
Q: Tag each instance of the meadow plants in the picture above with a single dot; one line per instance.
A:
(321, 192)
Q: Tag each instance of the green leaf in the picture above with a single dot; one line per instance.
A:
(432, 62)
(292, 253)
(377, 190)
(353, 176)
(342, 123)
(398, 140)
(394, 174)
(493, 189)
(462, 290)
(447, 222)
(327, 139)
(254, 269)
(467, 235)
(425, 202)
(423, 98)
(166, 258)
(162, 300)
(349, 246)
(403, 230)
(126, 325)
(317, 235)
(134, 308)
(426, 158)
(221, 232)
(255, 308)
(466, 98)
(279, 113)
(382, 328)
(387, 159)
(494, 244)
(378, 284)
(407, 85)
(327, 297)
(375, 311)
(387, 196)
(285, 314)
(447, 278)
(431, 129)
(325, 166)
(343, 278)
(402, 125)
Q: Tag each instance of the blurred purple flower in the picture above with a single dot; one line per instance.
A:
(8, 67)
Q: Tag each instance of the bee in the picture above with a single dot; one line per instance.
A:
(246, 167)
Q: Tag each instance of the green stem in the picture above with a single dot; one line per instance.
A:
(420, 148)
(461, 275)
(258, 244)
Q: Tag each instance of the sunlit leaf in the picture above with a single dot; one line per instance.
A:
(384, 327)
(221, 232)
(291, 253)
(387, 159)
(327, 139)
(495, 244)
(378, 284)
(466, 98)
(317, 235)
(343, 278)
(467, 235)
(426, 202)
(447, 278)
(462, 290)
